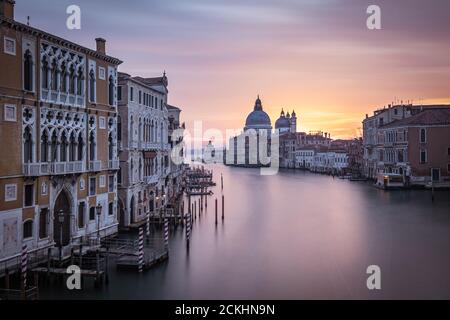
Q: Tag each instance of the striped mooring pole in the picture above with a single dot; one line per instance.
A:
(24, 266)
(188, 228)
(166, 233)
(148, 225)
(141, 250)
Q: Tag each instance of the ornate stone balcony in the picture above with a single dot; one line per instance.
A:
(151, 179)
(95, 165)
(52, 168)
(113, 164)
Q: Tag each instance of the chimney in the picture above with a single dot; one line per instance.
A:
(7, 9)
(101, 45)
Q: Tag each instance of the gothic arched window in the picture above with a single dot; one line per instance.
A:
(111, 91)
(80, 147)
(54, 76)
(140, 130)
(54, 147)
(110, 147)
(44, 147)
(132, 128)
(92, 146)
(63, 148)
(72, 80)
(91, 86)
(152, 135)
(131, 171)
(72, 147)
(80, 79)
(63, 78)
(27, 146)
(119, 128)
(28, 71)
(45, 72)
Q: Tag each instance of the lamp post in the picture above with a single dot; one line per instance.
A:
(98, 210)
(61, 222)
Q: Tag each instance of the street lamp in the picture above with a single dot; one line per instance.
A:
(61, 222)
(98, 210)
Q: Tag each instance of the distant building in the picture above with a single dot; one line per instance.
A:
(417, 148)
(244, 149)
(371, 136)
(304, 157)
(143, 141)
(175, 169)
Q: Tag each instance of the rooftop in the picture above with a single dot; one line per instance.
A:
(58, 40)
(430, 117)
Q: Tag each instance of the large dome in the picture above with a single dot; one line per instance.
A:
(258, 119)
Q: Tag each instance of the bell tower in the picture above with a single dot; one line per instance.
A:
(293, 122)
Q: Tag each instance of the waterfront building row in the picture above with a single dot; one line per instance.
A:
(409, 144)
(81, 140)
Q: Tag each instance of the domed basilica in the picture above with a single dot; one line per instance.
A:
(258, 121)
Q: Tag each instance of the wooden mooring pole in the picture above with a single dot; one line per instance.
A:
(216, 211)
(223, 207)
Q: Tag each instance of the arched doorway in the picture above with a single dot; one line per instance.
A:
(62, 204)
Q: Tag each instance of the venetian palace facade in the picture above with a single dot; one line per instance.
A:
(58, 172)
(145, 179)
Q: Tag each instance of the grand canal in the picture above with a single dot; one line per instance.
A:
(298, 235)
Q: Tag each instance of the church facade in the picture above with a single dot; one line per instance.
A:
(246, 149)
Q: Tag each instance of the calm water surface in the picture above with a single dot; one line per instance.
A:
(298, 235)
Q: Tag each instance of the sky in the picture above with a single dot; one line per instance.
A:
(316, 57)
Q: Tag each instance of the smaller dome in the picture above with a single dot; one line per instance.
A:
(282, 122)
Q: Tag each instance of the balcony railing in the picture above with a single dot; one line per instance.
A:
(149, 145)
(95, 165)
(62, 98)
(151, 179)
(54, 168)
(113, 164)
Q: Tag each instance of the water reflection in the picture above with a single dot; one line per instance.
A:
(298, 235)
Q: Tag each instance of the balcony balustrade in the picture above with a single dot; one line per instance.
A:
(95, 165)
(151, 179)
(113, 164)
(52, 168)
(58, 97)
